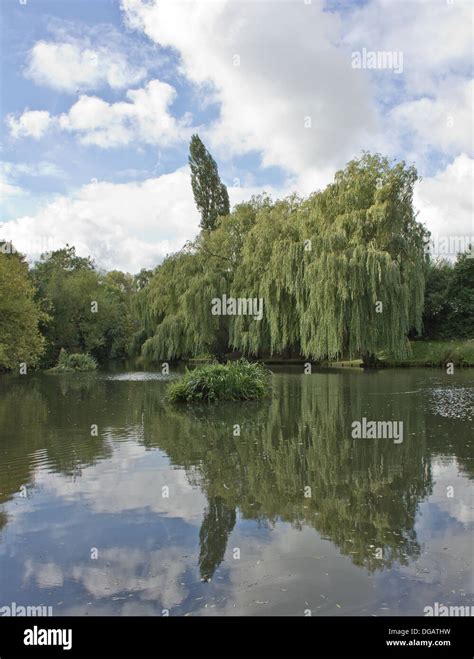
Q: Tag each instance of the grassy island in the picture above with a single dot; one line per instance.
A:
(74, 362)
(239, 380)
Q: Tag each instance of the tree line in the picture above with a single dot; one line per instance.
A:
(343, 273)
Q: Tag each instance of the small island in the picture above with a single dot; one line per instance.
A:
(74, 362)
(239, 380)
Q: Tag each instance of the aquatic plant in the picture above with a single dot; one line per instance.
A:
(75, 362)
(239, 380)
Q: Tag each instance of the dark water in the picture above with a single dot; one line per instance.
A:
(289, 517)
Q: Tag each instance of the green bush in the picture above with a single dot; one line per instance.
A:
(436, 353)
(449, 299)
(238, 380)
(75, 362)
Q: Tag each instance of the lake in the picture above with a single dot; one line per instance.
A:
(114, 502)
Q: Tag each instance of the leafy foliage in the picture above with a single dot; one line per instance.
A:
(449, 300)
(341, 274)
(174, 309)
(210, 194)
(459, 352)
(232, 381)
(90, 312)
(75, 362)
(20, 315)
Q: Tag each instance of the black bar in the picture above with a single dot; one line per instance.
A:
(239, 637)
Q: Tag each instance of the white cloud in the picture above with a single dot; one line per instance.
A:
(11, 171)
(265, 99)
(98, 484)
(445, 201)
(145, 117)
(32, 123)
(41, 168)
(46, 575)
(443, 122)
(9, 189)
(121, 225)
(15, 197)
(435, 38)
(279, 82)
(127, 226)
(152, 576)
(72, 67)
(429, 106)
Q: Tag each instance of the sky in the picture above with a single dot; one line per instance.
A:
(99, 99)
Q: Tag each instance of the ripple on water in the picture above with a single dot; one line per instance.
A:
(140, 376)
(453, 403)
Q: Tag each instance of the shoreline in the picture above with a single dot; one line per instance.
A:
(425, 354)
(429, 354)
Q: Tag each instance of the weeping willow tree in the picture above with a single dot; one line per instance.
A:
(364, 278)
(340, 274)
(264, 271)
(164, 311)
(175, 308)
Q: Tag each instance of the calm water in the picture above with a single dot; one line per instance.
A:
(86, 525)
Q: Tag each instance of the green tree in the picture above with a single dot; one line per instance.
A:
(210, 194)
(90, 312)
(142, 278)
(174, 308)
(341, 274)
(437, 304)
(20, 315)
(449, 299)
(461, 294)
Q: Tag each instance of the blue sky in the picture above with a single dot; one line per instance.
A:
(100, 98)
(25, 25)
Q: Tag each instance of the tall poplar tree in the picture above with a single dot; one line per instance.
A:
(210, 194)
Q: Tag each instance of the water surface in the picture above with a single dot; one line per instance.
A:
(114, 502)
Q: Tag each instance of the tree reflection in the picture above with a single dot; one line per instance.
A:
(217, 525)
(294, 459)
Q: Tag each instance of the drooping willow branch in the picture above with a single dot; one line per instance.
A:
(339, 273)
(218, 256)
